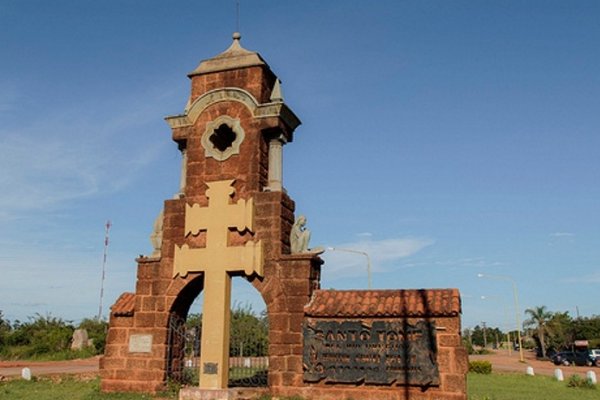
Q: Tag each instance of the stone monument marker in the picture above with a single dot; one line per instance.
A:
(232, 217)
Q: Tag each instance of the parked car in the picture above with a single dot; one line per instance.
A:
(595, 354)
(573, 357)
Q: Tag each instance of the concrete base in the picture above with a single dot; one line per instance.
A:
(196, 393)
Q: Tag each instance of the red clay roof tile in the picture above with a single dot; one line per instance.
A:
(384, 303)
(124, 306)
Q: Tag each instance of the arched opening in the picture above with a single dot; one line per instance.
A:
(249, 336)
(248, 344)
(183, 334)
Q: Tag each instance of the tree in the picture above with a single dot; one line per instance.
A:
(249, 332)
(4, 331)
(560, 333)
(539, 318)
(493, 336)
(587, 328)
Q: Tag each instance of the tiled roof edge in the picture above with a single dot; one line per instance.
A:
(124, 306)
(384, 303)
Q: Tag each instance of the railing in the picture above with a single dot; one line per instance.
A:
(248, 369)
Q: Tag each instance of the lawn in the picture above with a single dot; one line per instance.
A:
(481, 387)
(524, 387)
(67, 389)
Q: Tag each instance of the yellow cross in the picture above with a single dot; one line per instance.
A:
(217, 260)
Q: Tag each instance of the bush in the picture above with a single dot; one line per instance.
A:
(467, 345)
(96, 332)
(4, 331)
(45, 337)
(480, 367)
(576, 381)
(48, 334)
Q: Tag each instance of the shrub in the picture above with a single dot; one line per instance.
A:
(40, 336)
(4, 331)
(480, 367)
(96, 332)
(467, 345)
(576, 381)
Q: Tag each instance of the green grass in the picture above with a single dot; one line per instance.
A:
(481, 387)
(524, 387)
(27, 353)
(65, 389)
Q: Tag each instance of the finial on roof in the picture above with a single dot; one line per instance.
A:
(232, 58)
(235, 46)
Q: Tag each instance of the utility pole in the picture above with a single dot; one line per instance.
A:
(107, 226)
(484, 335)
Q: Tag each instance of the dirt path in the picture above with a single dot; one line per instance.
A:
(502, 362)
(13, 368)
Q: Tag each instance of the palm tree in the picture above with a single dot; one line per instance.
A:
(539, 318)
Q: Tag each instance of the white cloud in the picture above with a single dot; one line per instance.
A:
(383, 254)
(477, 262)
(562, 234)
(467, 262)
(51, 159)
(364, 235)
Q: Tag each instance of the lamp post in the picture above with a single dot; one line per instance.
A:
(505, 321)
(516, 297)
(364, 253)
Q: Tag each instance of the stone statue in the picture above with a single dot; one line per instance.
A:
(156, 236)
(299, 236)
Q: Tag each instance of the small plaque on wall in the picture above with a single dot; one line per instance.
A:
(140, 344)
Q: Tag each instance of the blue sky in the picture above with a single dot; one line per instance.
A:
(446, 139)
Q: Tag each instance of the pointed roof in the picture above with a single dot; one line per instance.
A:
(233, 58)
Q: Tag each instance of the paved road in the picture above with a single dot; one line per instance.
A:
(13, 368)
(501, 361)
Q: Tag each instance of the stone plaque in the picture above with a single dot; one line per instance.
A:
(380, 352)
(210, 368)
(140, 344)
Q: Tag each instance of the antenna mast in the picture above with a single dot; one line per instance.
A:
(237, 15)
(107, 226)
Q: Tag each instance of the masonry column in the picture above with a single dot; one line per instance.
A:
(182, 179)
(276, 163)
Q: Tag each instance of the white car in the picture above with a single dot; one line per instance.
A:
(595, 353)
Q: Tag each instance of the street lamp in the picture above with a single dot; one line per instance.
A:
(364, 253)
(505, 321)
(516, 296)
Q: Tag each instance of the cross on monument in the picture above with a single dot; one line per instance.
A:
(217, 261)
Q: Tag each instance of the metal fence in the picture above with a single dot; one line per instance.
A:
(248, 362)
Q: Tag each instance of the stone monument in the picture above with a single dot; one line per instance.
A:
(233, 217)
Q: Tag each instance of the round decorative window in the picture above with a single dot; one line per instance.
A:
(222, 138)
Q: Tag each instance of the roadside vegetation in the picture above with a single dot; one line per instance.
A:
(545, 330)
(44, 337)
(48, 338)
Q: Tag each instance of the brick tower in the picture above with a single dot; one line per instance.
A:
(231, 218)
